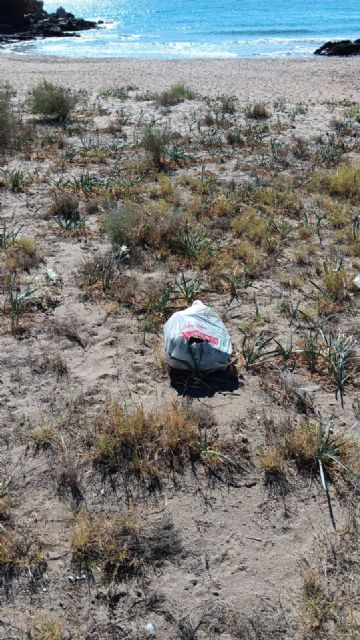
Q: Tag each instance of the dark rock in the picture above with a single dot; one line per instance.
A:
(40, 24)
(6, 28)
(340, 48)
(60, 12)
(15, 12)
(38, 16)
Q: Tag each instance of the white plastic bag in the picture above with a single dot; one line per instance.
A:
(197, 340)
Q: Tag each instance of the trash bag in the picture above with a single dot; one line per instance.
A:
(197, 340)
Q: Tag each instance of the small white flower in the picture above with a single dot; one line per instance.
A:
(124, 249)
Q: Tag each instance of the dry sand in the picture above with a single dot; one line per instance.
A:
(243, 544)
(294, 80)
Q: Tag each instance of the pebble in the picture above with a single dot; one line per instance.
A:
(77, 578)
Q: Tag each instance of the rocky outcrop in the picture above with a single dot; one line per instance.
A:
(340, 48)
(14, 12)
(27, 20)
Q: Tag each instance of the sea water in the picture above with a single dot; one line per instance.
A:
(203, 28)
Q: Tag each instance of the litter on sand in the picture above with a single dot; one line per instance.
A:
(150, 629)
(197, 340)
(51, 275)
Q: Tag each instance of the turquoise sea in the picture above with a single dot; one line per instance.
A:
(203, 28)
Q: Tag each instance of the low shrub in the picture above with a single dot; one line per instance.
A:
(65, 211)
(155, 141)
(134, 226)
(9, 122)
(175, 94)
(65, 205)
(258, 112)
(53, 101)
(120, 224)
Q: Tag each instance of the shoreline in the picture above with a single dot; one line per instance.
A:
(300, 79)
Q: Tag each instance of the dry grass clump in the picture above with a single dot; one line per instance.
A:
(103, 277)
(315, 448)
(145, 442)
(280, 197)
(317, 607)
(303, 445)
(98, 275)
(335, 281)
(271, 460)
(23, 255)
(164, 190)
(223, 206)
(226, 104)
(121, 546)
(342, 183)
(45, 628)
(5, 508)
(19, 554)
(333, 288)
(249, 257)
(250, 225)
(43, 437)
(331, 586)
(338, 214)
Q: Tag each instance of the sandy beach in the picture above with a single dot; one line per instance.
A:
(317, 79)
(135, 501)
